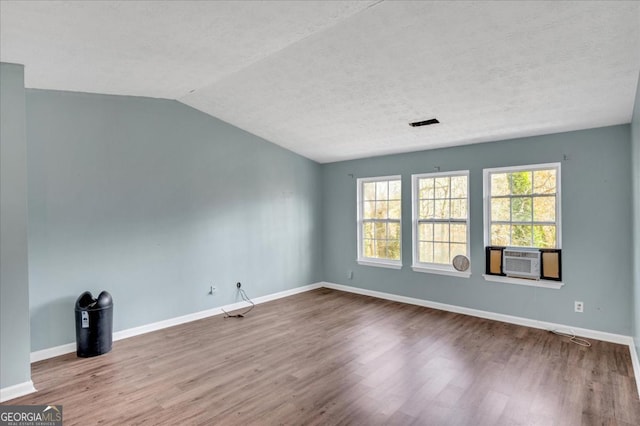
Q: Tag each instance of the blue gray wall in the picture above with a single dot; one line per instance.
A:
(14, 282)
(635, 160)
(596, 215)
(155, 202)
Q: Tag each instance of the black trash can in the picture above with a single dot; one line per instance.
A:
(94, 324)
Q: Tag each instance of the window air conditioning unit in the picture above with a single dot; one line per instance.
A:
(521, 263)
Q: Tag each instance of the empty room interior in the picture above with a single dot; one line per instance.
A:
(324, 212)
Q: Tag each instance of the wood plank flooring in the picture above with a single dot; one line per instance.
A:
(326, 357)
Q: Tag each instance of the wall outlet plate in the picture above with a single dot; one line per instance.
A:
(578, 306)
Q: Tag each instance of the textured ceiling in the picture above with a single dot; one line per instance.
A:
(342, 80)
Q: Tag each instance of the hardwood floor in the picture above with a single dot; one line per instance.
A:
(328, 357)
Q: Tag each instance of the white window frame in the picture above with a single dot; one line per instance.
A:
(372, 261)
(487, 219)
(436, 268)
(532, 167)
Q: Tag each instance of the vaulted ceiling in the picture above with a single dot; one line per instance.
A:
(342, 80)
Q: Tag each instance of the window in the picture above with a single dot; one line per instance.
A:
(522, 206)
(440, 221)
(379, 221)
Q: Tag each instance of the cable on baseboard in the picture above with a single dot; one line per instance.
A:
(573, 338)
(246, 299)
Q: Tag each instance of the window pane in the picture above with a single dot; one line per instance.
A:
(500, 235)
(458, 232)
(441, 232)
(521, 183)
(426, 188)
(381, 209)
(441, 253)
(369, 248)
(544, 181)
(521, 209)
(500, 184)
(459, 209)
(380, 219)
(369, 208)
(442, 187)
(394, 190)
(426, 209)
(368, 230)
(441, 199)
(425, 231)
(394, 209)
(526, 201)
(369, 191)
(441, 209)
(521, 235)
(500, 209)
(382, 190)
(544, 209)
(394, 231)
(381, 249)
(457, 249)
(544, 236)
(459, 187)
(425, 252)
(393, 249)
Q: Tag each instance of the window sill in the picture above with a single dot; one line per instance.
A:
(379, 264)
(523, 281)
(450, 272)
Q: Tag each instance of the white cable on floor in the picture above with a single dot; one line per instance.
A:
(573, 338)
(246, 299)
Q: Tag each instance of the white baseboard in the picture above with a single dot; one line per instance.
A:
(147, 328)
(16, 391)
(27, 387)
(52, 352)
(124, 334)
(583, 332)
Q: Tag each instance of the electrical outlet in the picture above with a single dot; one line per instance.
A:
(350, 275)
(238, 285)
(578, 306)
(212, 289)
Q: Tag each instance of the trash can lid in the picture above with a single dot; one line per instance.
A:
(85, 301)
(104, 300)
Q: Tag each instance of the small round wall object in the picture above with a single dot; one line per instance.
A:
(461, 263)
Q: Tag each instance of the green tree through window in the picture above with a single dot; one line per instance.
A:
(524, 206)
